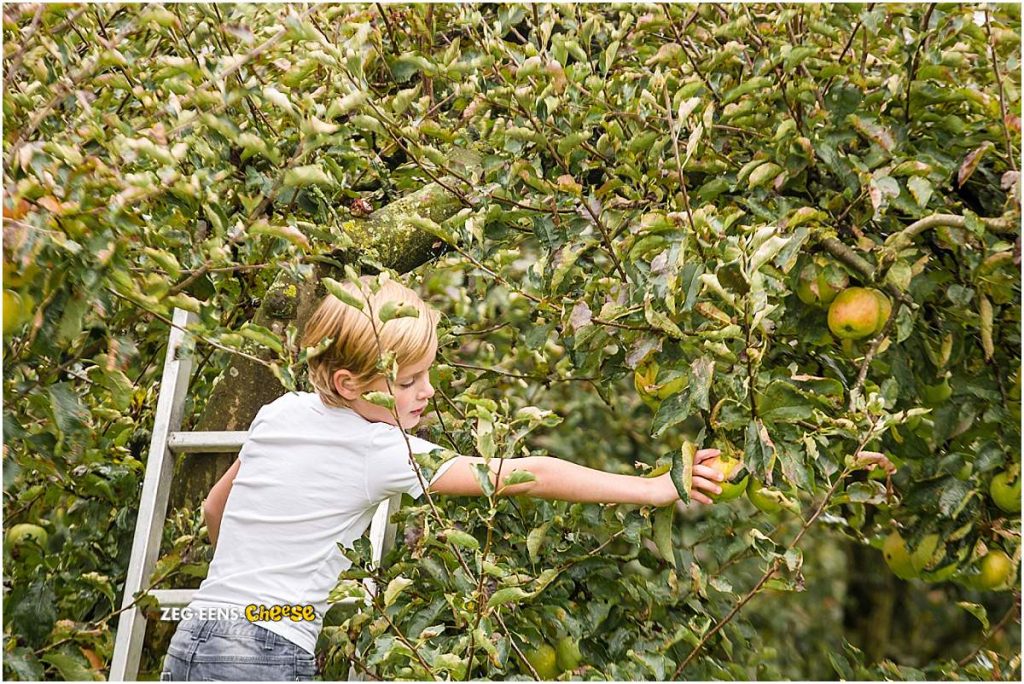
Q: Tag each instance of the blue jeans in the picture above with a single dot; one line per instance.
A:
(233, 650)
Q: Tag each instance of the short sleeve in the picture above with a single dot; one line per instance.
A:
(390, 471)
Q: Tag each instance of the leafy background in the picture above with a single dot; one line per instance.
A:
(635, 185)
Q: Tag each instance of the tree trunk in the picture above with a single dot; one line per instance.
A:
(385, 235)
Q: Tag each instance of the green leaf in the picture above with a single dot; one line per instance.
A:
(570, 142)
(483, 477)
(681, 472)
(69, 413)
(395, 587)
(977, 611)
(782, 403)
(32, 612)
(758, 449)
(535, 539)
(765, 173)
(507, 595)
(921, 189)
(797, 56)
(392, 310)
(302, 176)
(71, 668)
(673, 410)
(701, 372)
(461, 539)
(370, 124)
(407, 65)
(261, 335)
(22, 661)
(663, 518)
(71, 320)
(382, 399)
(432, 227)
(336, 289)
(185, 301)
(661, 321)
(519, 477)
(289, 233)
(954, 497)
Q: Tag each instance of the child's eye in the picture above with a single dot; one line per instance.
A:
(406, 385)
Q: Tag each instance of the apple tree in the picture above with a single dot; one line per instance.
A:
(789, 232)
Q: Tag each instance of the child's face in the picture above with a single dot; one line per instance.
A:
(412, 391)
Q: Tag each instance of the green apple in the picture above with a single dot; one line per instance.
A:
(544, 660)
(24, 532)
(567, 652)
(937, 394)
(921, 557)
(832, 280)
(894, 551)
(734, 475)
(635, 568)
(995, 569)
(855, 313)
(765, 500)
(1005, 491)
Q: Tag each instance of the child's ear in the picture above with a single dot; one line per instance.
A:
(345, 384)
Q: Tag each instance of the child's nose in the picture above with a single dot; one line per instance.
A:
(428, 390)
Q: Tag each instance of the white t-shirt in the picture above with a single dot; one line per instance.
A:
(311, 476)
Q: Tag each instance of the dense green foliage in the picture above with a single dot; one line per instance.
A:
(643, 188)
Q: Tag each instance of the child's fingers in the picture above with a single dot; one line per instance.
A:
(705, 454)
(700, 498)
(707, 472)
(706, 485)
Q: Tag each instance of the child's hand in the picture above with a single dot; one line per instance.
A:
(705, 479)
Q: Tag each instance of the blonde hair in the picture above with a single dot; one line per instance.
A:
(354, 347)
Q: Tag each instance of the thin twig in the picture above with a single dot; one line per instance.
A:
(12, 68)
(240, 235)
(387, 23)
(197, 335)
(773, 568)
(1002, 96)
(62, 89)
(402, 637)
(515, 647)
(913, 60)
(879, 338)
(679, 168)
(846, 48)
(1013, 611)
(538, 378)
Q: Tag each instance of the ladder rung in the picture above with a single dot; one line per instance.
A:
(193, 442)
(173, 598)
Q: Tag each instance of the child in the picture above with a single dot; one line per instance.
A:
(313, 470)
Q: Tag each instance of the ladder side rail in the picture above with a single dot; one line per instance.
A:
(153, 503)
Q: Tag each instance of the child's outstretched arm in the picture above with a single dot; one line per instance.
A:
(213, 505)
(567, 481)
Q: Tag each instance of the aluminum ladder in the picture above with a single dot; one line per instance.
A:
(167, 441)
